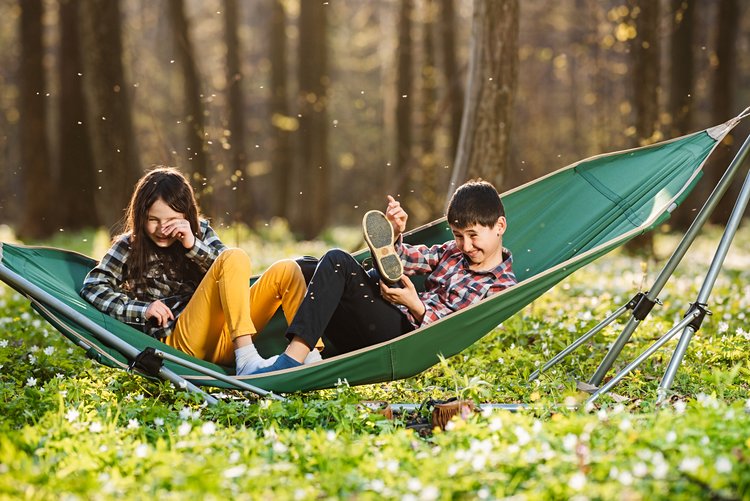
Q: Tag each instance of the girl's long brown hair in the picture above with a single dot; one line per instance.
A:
(171, 186)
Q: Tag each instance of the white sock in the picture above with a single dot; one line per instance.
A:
(248, 360)
(312, 357)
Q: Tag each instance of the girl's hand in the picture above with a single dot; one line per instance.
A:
(160, 312)
(406, 296)
(397, 216)
(181, 230)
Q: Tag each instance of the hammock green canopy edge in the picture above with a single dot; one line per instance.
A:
(556, 225)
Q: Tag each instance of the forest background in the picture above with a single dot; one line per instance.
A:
(313, 111)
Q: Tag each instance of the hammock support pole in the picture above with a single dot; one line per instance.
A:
(698, 310)
(650, 298)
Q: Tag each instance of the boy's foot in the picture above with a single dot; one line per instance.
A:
(283, 362)
(379, 237)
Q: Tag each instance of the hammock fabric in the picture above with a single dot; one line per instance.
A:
(556, 225)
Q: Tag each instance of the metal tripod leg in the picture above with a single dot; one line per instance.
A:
(674, 260)
(713, 271)
(692, 321)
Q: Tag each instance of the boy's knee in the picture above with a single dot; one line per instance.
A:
(338, 256)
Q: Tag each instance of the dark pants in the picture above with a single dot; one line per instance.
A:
(343, 303)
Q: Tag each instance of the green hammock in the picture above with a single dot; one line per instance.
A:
(556, 225)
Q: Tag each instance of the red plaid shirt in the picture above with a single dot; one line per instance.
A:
(451, 285)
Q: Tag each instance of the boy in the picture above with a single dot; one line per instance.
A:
(353, 310)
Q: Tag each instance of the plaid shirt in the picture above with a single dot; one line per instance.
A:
(106, 288)
(451, 285)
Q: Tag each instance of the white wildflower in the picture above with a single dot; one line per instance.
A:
(185, 413)
(208, 428)
(95, 427)
(72, 415)
(133, 424)
(184, 429)
(235, 471)
(570, 441)
(279, 447)
(723, 327)
(31, 381)
(377, 485)
(640, 469)
(430, 493)
(680, 406)
(34, 349)
(625, 478)
(158, 421)
(522, 435)
(32, 359)
(671, 437)
(141, 451)
(723, 465)
(577, 481)
(49, 350)
(414, 485)
(139, 397)
(691, 464)
(3, 343)
(625, 425)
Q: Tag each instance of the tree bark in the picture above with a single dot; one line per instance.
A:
(484, 147)
(313, 123)
(282, 123)
(77, 178)
(194, 120)
(108, 108)
(681, 71)
(404, 97)
(39, 215)
(723, 99)
(243, 207)
(454, 88)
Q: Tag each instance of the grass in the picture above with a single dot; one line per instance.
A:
(70, 429)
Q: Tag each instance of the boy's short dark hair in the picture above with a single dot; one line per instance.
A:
(475, 202)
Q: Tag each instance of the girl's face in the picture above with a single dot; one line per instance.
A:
(159, 214)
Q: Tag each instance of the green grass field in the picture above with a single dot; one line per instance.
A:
(70, 429)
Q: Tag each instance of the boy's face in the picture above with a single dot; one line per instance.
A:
(482, 245)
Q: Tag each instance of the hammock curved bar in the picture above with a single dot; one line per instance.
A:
(557, 224)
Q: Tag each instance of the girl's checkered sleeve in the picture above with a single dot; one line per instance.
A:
(102, 287)
(206, 249)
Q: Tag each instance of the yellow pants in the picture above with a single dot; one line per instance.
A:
(224, 307)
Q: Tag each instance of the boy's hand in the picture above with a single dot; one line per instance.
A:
(397, 216)
(181, 230)
(406, 296)
(160, 312)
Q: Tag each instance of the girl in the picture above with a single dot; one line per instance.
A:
(170, 276)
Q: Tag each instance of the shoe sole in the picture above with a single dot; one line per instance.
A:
(379, 237)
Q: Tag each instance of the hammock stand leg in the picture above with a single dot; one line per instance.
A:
(131, 352)
(698, 310)
(642, 303)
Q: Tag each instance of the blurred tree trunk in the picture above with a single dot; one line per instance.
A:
(243, 208)
(450, 69)
(645, 60)
(428, 187)
(108, 108)
(681, 90)
(681, 71)
(645, 55)
(313, 123)
(282, 124)
(195, 120)
(77, 178)
(404, 86)
(40, 208)
(484, 148)
(723, 99)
